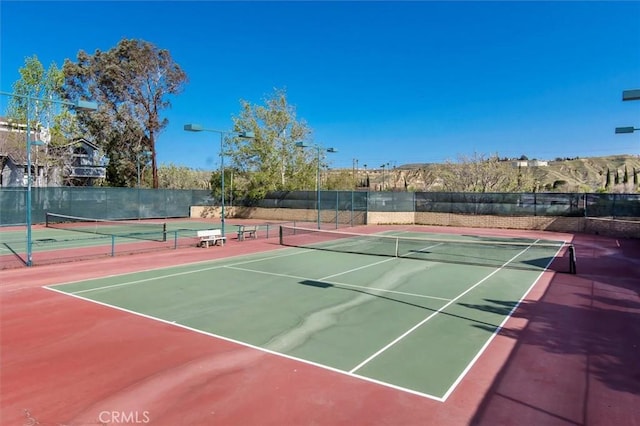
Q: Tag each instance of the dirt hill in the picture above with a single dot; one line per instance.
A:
(589, 174)
(568, 175)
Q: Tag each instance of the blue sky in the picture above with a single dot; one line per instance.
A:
(397, 82)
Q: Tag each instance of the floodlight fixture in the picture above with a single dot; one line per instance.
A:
(631, 95)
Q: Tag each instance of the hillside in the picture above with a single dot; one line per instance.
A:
(574, 175)
(587, 174)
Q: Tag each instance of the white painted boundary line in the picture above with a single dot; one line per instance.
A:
(162, 268)
(216, 266)
(498, 329)
(248, 345)
(337, 283)
(350, 373)
(415, 327)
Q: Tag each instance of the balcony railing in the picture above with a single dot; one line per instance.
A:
(88, 172)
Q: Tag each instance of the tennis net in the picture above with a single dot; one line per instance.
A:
(120, 228)
(470, 250)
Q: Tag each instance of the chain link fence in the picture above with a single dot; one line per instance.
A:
(339, 207)
(98, 203)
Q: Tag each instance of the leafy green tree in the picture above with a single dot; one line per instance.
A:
(49, 120)
(171, 176)
(271, 161)
(36, 82)
(339, 181)
(130, 83)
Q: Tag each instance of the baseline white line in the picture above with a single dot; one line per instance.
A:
(415, 327)
(337, 283)
(248, 345)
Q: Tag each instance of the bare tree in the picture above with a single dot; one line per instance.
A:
(481, 173)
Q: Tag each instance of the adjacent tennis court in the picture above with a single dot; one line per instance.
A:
(396, 309)
(68, 238)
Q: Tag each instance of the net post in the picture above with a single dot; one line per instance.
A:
(280, 232)
(572, 260)
(164, 231)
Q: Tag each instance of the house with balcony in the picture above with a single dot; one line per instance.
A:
(77, 163)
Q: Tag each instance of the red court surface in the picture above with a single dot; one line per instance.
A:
(568, 356)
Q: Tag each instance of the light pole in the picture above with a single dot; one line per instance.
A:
(319, 150)
(141, 155)
(223, 133)
(366, 176)
(355, 170)
(79, 105)
(383, 166)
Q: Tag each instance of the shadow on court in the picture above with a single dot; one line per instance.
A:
(324, 285)
(576, 361)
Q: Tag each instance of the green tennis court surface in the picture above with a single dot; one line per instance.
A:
(59, 239)
(413, 324)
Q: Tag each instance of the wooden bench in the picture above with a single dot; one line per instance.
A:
(247, 230)
(212, 236)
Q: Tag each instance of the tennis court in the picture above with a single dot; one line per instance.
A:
(67, 238)
(414, 319)
(411, 325)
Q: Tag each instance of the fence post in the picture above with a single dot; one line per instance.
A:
(613, 206)
(351, 208)
(337, 207)
(366, 207)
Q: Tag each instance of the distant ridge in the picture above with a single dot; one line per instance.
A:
(577, 174)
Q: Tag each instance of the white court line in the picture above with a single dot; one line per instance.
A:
(415, 327)
(497, 330)
(177, 274)
(248, 345)
(324, 280)
(349, 373)
(217, 266)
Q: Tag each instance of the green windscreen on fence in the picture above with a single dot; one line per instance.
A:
(336, 207)
(99, 203)
(501, 204)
